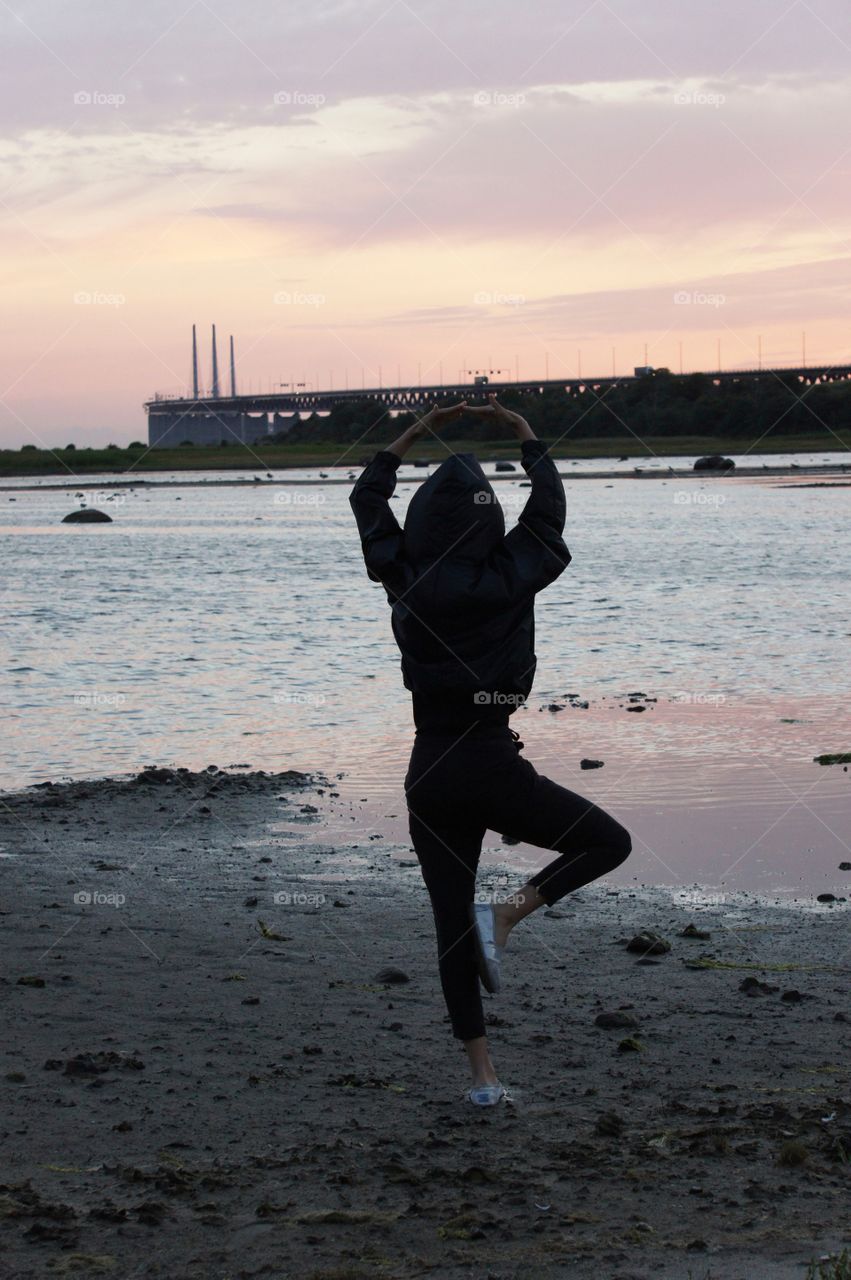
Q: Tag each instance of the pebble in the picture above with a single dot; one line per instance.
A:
(615, 1019)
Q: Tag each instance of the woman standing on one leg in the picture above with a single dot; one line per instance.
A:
(462, 594)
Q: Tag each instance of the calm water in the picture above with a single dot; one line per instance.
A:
(682, 464)
(236, 625)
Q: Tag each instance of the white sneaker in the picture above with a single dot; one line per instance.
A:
(488, 953)
(486, 1095)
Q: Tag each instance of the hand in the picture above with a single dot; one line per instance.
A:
(437, 418)
(431, 422)
(507, 417)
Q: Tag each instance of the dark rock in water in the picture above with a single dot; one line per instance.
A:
(505, 466)
(794, 997)
(87, 515)
(826, 897)
(648, 943)
(30, 980)
(636, 708)
(692, 931)
(845, 866)
(390, 976)
(293, 778)
(714, 462)
(591, 764)
(630, 1045)
(615, 1019)
(753, 987)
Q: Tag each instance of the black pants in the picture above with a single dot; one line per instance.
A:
(460, 785)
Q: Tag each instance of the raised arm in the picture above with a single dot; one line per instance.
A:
(380, 531)
(534, 553)
(535, 545)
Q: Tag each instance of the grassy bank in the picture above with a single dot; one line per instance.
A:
(274, 457)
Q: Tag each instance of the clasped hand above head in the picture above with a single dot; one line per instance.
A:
(493, 409)
(436, 418)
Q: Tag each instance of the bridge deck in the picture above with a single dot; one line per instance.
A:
(416, 397)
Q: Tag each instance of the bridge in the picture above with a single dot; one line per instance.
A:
(208, 418)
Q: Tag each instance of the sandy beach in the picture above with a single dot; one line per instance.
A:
(211, 1072)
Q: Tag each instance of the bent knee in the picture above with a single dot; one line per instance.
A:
(621, 845)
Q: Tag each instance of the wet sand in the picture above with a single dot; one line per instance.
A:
(209, 1073)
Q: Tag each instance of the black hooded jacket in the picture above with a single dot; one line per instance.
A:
(461, 590)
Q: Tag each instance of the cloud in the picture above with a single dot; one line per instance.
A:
(818, 290)
(222, 61)
(399, 158)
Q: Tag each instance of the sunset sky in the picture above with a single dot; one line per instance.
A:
(421, 187)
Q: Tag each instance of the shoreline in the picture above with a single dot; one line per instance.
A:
(69, 790)
(217, 1068)
(843, 477)
(145, 460)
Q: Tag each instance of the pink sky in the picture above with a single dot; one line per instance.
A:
(412, 186)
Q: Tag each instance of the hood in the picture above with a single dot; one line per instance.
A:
(455, 508)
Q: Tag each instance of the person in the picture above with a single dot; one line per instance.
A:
(462, 594)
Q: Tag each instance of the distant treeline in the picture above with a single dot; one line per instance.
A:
(659, 405)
